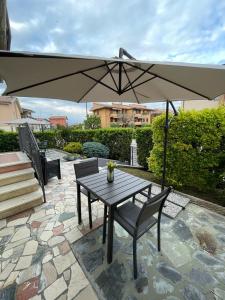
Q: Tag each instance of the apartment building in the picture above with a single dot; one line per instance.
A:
(124, 115)
(10, 109)
(58, 120)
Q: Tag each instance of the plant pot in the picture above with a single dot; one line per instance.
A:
(110, 175)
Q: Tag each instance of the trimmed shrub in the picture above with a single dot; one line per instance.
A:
(94, 149)
(195, 153)
(9, 141)
(144, 145)
(48, 135)
(73, 147)
(118, 141)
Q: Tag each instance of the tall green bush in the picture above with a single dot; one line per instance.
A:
(9, 141)
(118, 141)
(144, 145)
(95, 149)
(195, 153)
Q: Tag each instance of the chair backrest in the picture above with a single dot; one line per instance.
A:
(152, 206)
(86, 167)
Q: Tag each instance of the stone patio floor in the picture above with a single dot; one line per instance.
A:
(36, 260)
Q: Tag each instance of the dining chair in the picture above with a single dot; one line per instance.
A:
(83, 168)
(138, 220)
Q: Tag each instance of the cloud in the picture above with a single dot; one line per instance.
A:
(167, 30)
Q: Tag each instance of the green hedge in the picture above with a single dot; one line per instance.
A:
(8, 141)
(95, 149)
(118, 141)
(144, 145)
(195, 155)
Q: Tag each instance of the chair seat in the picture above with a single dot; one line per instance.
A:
(85, 192)
(126, 215)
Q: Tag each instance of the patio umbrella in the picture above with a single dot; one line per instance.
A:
(87, 79)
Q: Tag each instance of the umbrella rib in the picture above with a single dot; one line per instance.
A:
(54, 79)
(147, 80)
(99, 81)
(170, 81)
(145, 71)
(96, 83)
(130, 84)
(112, 75)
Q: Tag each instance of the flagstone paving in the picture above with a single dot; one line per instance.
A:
(37, 261)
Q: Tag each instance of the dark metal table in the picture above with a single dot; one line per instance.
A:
(124, 186)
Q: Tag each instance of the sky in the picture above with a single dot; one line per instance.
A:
(164, 30)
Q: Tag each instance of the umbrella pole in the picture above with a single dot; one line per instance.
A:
(166, 128)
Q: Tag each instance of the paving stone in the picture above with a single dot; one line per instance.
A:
(20, 234)
(219, 294)
(178, 253)
(201, 277)
(11, 279)
(191, 292)
(73, 235)
(28, 289)
(56, 240)
(58, 230)
(46, 235)
(42, 250)
(64, 247)
(67, 274)
(207, 259)
(78, 281)
(7, 253)
(48, 276)
(55, 289)
(36, 216)
(30, 272)
(65, 216)
(182, 230)
(5, 273)
(30, 247)
(16, 244)
(70, 222)
(56, 251)
(24, 262)
(87, 293)
(6, 231)
(47, 258)
(37, 297)
(161, 286)
(93, 259)
(8, 293)
(168, 272)
(2, 223)
(35, 224)
(20, 221)
(62, 262)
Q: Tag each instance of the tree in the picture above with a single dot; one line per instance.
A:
(92, 122)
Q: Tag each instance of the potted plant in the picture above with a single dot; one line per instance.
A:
(110, 171)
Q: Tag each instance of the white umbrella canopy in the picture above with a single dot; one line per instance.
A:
(87, 79)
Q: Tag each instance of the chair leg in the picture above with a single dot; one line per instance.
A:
(133, 200)
(135, 257)
(158, 235)
(89, 210)
(104, 224)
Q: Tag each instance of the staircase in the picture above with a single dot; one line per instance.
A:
(19, 189)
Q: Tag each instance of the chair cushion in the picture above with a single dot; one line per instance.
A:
(126, 215)
(84, 191)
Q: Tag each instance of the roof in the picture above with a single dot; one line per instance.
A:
(28, 121)
(97, 106)
(58, 117)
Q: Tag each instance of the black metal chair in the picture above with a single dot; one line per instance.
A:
(138, 220)
(83, 168)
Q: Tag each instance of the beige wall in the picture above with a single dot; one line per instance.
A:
(202, 104)
(9, 111)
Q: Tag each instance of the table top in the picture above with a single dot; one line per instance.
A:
(123, 187)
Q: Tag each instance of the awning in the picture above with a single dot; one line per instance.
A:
(88, 79)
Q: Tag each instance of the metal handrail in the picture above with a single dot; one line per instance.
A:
(28, 144)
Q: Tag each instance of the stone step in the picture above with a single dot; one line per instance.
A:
(17, 189)
(13, 161)
(16, 176)
(18, 204)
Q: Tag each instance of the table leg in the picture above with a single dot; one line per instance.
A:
(78, 204)
(110, 235)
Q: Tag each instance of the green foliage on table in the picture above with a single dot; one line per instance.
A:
(73, 147)
(196, 149)
(144, 145)
(111, 165)
(95, 149)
